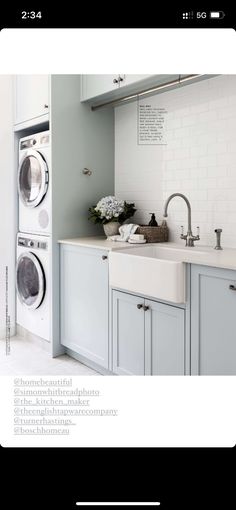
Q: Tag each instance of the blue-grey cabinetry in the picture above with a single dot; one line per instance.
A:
(84, 294)
(213, 321)
(128, 334)
(148, 337)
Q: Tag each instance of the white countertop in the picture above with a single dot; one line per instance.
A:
(203, 255)
(98, 242)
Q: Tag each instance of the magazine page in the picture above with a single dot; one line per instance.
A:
(118, 258)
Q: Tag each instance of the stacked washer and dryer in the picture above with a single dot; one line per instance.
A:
(33, 279)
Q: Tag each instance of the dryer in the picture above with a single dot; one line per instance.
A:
(34, 184)
(33, 284)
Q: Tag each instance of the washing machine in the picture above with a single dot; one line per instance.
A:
(34, 184)
(33, 284)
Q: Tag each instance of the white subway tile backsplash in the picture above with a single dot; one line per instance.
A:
(217, 148)
(208, 161)
(231, 146)
(195, 152)
(226, 112)
(223, 183)
(199, 159)
(181, 153)
(217, 170)
(231, 171)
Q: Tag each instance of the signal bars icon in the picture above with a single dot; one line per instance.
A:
(188, 15)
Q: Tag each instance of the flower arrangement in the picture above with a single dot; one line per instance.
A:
(110, 209)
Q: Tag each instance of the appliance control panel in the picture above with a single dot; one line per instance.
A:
(35, 141)
(32, 243)
(27, 144)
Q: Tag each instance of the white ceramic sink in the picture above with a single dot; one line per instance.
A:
(158, 272)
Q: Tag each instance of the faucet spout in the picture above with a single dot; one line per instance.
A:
(189, 236)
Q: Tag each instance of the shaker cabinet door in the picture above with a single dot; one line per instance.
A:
(165, 339)
(95, 85)
(84, 302)
(128, 334)
(31, 96)
(213, 320)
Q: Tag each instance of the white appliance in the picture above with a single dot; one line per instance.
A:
(34, 184)
(33, 284)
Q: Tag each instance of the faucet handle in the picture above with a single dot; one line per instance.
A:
(218, 232)
(197, 237)
(182, 235)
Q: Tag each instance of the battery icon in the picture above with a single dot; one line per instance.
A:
(217, 14)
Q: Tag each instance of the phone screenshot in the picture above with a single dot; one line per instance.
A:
(117, 257)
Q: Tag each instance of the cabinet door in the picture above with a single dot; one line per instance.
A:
(94, 85)
(84, 302)
(165, 339)
(31, 96)
(128, 334)
(213, 332)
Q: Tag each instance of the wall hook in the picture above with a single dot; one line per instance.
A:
(86, 171)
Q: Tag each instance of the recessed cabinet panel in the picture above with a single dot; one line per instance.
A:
(97, 84)
(213, 311)
(31, 96)
(128, 334)
(84, 302)
(165, 331)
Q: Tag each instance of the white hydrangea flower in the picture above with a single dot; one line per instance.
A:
(109, 207)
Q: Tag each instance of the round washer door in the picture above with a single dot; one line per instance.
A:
(32, 178)
(30, 280)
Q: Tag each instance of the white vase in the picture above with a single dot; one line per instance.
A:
(111, 228)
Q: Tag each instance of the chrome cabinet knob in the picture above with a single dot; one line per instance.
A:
(146, 308)
(104, 257)
(139, 306)
(116, 80)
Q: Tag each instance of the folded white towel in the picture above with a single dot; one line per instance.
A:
(125, 232)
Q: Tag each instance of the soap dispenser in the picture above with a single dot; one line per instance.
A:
(153, 221)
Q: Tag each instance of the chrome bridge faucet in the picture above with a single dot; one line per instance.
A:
(189, 237)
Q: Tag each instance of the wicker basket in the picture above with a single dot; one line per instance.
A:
(153, 234)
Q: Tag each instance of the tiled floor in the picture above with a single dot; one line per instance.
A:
(26, 358)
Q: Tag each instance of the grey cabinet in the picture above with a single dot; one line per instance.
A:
(128, 334)
(165, 339)
(95, 85)
(80, 139)
(84, 295)
(213, 320)
(148, 337)
(31, 96)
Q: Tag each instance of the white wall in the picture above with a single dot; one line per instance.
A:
(7, 201)
(199, 159)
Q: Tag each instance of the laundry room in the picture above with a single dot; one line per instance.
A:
(118, 221)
